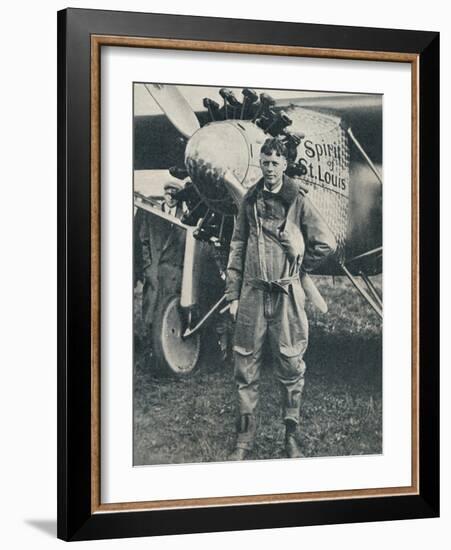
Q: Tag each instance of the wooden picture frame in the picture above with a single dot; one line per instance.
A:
(81, 35)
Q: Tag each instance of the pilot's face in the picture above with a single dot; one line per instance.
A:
(273, 166)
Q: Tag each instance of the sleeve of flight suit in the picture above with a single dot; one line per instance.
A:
(319, 239)
(237, 255)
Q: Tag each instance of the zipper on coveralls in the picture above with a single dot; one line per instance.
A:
(268, 306)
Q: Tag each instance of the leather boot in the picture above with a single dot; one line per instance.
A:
(246, 434)
(292, 448)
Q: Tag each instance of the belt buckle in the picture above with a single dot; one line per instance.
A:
(278, 287)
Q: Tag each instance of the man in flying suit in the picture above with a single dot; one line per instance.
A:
(278, 235)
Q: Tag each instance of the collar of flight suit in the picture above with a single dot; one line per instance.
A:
(288, 192)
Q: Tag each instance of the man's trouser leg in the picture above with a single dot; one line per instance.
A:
(290, 373)
(288, 338)
(289, 368)
(247, 376)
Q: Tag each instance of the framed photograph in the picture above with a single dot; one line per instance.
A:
(248, 274)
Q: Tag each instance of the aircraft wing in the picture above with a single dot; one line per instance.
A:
(342, 102)
(150, 183)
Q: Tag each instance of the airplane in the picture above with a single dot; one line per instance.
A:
(335, 148)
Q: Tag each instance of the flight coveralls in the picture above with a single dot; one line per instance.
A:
(276, 236)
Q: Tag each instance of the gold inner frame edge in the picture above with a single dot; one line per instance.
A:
(97, 41)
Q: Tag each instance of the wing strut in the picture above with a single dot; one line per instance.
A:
(367, 295)
(371, 288)
(364, 155)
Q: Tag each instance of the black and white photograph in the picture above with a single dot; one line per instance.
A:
(257, 246)
(205, 345)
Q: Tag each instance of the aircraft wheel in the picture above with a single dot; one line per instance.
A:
(175, 356)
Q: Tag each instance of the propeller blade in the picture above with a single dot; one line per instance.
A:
(175, 107)
(234, 187)
(313, 293)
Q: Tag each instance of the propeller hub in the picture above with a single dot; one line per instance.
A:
(219, 149)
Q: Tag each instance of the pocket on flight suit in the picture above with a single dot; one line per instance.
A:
(291, 363)
(294, 339)
(244, 367)
(294, 325)
(243, 340)
(292, 350)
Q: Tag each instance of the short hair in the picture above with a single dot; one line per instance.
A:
(274, 145)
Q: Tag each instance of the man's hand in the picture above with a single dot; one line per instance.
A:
(234, 308)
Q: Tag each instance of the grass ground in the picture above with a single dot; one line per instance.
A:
(193, 419)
